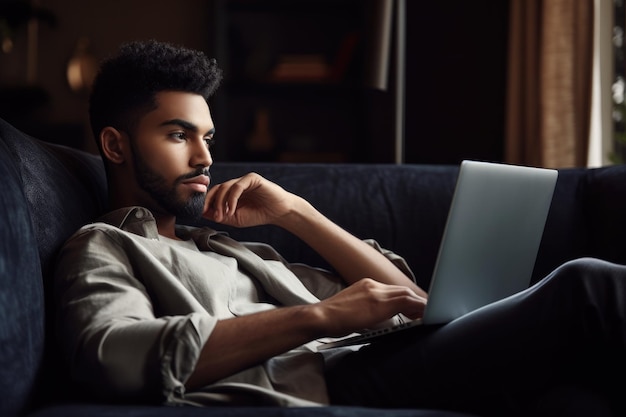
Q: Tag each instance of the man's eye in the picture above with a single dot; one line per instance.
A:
(210, 142)
(179, 135)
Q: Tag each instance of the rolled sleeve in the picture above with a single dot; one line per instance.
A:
(181, 353)
(113, 339)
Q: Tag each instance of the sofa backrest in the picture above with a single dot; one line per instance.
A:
(403, 207)
(52, 190)
(65, 188)
(587, 218)
(565, 236)
(605, 209)
(21, 292)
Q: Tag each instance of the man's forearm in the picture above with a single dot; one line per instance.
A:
(239, 343)
(251, 200)
(351, 257)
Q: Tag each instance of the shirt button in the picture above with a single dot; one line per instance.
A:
(139, 214)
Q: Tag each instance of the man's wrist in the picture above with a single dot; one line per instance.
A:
(316, 320)
(302, 213)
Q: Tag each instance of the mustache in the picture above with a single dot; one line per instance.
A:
(201, 171)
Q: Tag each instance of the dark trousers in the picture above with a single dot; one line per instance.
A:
(555, 349)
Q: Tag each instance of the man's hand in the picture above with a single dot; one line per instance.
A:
(252, 200)
(366, 304)
(362, 305)
(247, 201)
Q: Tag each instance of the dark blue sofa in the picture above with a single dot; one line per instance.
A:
(48, 191)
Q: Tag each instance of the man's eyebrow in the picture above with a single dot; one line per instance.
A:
(185, 125)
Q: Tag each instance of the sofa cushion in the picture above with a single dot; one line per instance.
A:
(93, 410)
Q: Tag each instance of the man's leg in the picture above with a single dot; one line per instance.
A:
(566, 331)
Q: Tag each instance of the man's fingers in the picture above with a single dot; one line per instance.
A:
(367, 303)
(221, 198)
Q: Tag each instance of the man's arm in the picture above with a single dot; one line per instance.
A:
(239, 343)
(378, 290)
(352, 258)
(251, 200)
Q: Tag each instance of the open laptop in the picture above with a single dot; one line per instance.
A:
(489, 245)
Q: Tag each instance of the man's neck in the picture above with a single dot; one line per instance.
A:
(166, 225)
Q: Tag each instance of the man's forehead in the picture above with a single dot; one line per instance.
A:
(185, 110)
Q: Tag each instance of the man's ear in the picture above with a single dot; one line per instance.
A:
(113, 144)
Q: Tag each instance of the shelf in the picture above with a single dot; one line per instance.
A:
(295, 67)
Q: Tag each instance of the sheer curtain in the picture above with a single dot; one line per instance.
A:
(549, 82)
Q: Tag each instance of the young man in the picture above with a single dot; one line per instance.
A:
(149, 309)
(140, 296)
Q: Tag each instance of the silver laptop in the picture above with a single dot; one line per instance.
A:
(489, 245)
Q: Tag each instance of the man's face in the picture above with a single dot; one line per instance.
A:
(171, 158)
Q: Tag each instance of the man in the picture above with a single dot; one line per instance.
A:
(180, 315)
(154, 129)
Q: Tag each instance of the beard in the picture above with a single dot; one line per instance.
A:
(166, 196)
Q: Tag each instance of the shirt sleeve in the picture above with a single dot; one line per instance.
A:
(108, 328)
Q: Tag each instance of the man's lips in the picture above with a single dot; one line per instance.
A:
(199, 183)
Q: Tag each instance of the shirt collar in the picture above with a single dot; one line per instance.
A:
(137, 220)
(140, 221)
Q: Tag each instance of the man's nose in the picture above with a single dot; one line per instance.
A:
(201, 154)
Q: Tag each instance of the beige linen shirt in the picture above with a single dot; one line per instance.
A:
(135, 309)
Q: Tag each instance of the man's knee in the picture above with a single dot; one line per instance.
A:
(584, 268)
(588, 274)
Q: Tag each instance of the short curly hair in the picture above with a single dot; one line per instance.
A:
(126, 85)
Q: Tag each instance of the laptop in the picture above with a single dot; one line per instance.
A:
(489, 246)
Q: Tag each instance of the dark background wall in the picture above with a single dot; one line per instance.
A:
(61, 115)
(455, 76)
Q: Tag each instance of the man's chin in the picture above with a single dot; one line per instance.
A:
(192, 210)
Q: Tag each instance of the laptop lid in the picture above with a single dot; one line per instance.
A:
(491, 237)
(489, 246)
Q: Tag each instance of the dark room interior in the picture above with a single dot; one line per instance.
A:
(295, 86)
